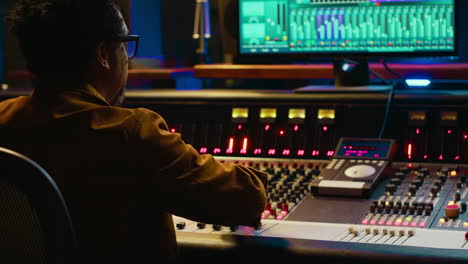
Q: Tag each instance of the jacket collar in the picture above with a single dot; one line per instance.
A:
(86, 92)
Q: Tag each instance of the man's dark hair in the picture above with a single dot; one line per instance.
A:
(59, 37)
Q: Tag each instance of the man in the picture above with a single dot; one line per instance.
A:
(121, 171)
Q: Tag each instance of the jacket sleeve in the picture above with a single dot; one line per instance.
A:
(194, 186)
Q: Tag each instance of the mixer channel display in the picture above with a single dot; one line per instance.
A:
(290, 26)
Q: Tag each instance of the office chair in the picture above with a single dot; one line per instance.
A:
(35, 225)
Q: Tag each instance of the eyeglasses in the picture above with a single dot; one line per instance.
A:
(131, 44)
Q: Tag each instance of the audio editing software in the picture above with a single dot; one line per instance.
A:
(300, 26)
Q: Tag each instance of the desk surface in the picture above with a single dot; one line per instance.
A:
(325, 71)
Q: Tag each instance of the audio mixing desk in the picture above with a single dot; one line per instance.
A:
(416, 213)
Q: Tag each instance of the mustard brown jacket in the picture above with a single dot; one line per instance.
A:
(123, 174)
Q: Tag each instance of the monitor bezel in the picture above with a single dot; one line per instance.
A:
(310, 56)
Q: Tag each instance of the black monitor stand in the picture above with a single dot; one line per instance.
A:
(351, 75)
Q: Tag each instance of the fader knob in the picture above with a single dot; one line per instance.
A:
(419, 210)
(412, 209)
(434, 191)
(404, 209)
(428, 210)
(452, 211)
(456, 196)
(217, 227)
(180, 225)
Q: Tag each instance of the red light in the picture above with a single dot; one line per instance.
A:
(281, 133)
(245, 144)
(425, 157)
(449, 131)
(418, 131)
(410, 151)
(258, 151)
(286, 152)
(330, 153)
(441, 157)
(296, 128)
(325, 129)
(173, 130)
(230, 148)
(216, 151)
(456, 158)
(271, 151)
(301, 152)
(267, 127)
(203, 150)
(239, 127)
(465, 136)
(315, 153)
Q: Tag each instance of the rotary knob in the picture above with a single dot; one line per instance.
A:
(452, 211)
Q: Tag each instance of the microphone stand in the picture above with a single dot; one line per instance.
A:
(202, 29)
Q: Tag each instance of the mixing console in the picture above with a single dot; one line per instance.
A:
(414, 211)
(415, 205)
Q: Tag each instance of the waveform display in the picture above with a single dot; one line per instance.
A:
(348, 26)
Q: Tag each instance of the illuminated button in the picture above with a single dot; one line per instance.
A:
(360, 171)
(452, 211)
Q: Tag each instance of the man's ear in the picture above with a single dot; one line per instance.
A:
(103, 55)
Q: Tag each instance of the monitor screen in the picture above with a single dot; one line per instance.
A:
(330, 27)
(364, 148)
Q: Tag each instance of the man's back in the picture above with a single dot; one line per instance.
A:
(120, 171)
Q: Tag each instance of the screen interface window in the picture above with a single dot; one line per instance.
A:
(354, 26)
(364, 149)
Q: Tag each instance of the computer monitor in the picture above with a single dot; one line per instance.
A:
(347, 29)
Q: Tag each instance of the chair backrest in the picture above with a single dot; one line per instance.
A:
(35, 225)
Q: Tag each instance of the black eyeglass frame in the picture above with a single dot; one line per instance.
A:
(129, 38)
